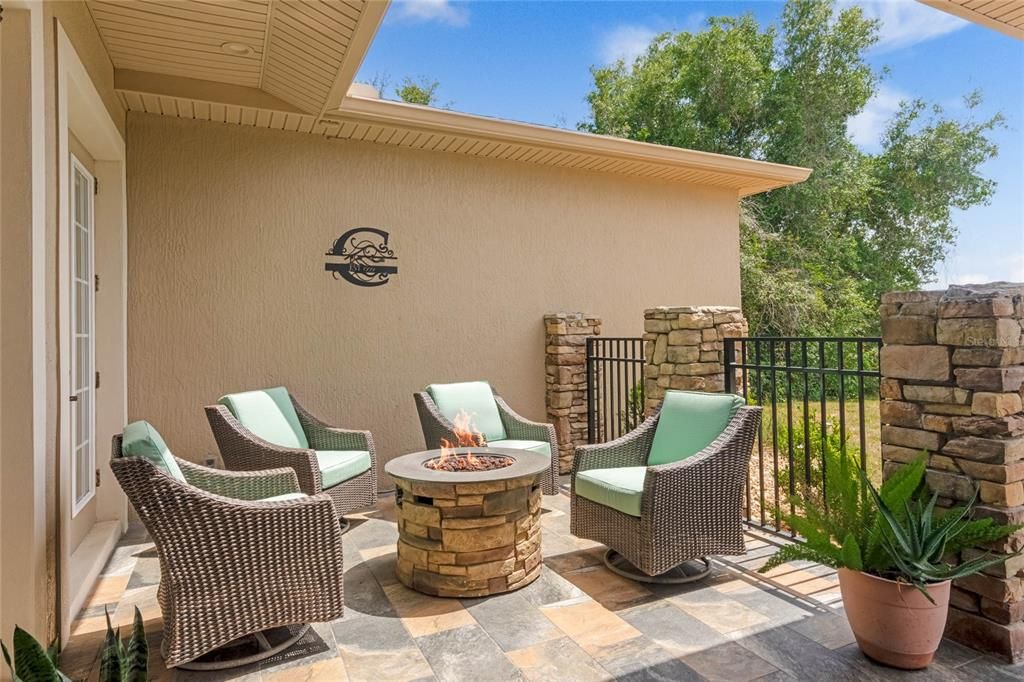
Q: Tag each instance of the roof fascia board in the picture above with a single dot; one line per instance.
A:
(366, 29)
(427, 119)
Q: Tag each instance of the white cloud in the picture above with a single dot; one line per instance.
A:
(629, 41)
(866, 128)
(441, 11)
(908, 22)
(626, 42)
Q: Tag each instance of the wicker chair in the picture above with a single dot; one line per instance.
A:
(499, 423)
(248, 441)
(670, 491)
(241, 553)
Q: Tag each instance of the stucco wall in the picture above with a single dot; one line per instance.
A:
(228, 227)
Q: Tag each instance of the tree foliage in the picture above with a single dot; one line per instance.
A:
(815, 256)
(418, 91)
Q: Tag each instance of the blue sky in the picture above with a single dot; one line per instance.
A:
(530, 61)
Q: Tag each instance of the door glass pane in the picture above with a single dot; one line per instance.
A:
(82, 304)
(82, 364)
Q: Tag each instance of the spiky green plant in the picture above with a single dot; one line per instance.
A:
(32, 663)
(120, 663)
(889, 532)
(917, 541)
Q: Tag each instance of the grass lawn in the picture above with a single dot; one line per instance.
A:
(762, 464)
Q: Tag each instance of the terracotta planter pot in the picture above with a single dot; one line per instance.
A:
(893, 622)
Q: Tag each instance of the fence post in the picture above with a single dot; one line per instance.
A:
(566, 378)
(953, 368)
(684, 348)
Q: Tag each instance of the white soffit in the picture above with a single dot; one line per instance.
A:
(1005, 16)
(303, 54)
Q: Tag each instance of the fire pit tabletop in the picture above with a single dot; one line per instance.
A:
(411, 467)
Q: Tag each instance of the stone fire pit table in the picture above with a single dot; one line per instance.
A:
(468, 533)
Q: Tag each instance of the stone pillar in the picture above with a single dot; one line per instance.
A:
(683, 348)
(953, 369)
(565, 367)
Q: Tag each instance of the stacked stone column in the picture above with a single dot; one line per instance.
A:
(684, 348)
(565, 366)
(953, 370)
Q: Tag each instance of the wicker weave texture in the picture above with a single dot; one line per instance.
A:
(436, 427)
(231, 566)
(242, 450)
(689, 509)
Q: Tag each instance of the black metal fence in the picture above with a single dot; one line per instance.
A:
(615, 387)
(817, 393)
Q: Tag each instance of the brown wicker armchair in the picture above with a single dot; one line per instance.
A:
(232, 562)
(513, 431)
(307, 450)
(660, 508)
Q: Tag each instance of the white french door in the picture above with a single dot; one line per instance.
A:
(83, 337)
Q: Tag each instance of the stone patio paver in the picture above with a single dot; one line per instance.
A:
(577, 621)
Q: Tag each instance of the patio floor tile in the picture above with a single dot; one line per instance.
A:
(557, 659)
(590, 625)
(466, 653)
(729, 662)
(512, 622)
(577, 621)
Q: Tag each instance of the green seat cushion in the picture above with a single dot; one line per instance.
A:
(621, 488)
(268, 414)
(689, 422)
(477, 399)
(534, 445)
(140, 439)
(337, 466)
(283, 498)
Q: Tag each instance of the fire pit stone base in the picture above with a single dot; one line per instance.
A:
(469, 539)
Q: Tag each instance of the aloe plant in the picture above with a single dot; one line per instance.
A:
(118, 663)
(917, 541)
(891, 532)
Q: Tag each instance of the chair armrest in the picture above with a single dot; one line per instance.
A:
(520, 428)
(240, 485)
(243, 450)
(435, 425)
(322, 436)
(629, 450)
(707, 487)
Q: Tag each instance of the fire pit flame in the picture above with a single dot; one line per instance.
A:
(466, 436)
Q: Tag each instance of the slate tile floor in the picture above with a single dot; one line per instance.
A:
(578, 621)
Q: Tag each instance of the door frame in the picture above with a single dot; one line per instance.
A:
(81, 111)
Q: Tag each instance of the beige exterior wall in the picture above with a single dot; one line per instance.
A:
(228, 227)
(29, 357)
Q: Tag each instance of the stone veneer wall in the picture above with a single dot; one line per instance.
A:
(953, 369)
(565, 367)
(684, 348)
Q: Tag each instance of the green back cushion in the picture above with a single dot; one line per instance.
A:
(140, 439)
(688, 423)
(476, 398)
(269, 414)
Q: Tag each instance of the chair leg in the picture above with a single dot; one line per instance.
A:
(265, 651)
(345, 524)
(683, 573)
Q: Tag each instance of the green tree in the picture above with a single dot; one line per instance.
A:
(815, 256)
(418, 91)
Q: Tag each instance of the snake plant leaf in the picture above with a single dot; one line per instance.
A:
(7, 659)
(31, 664)
(112, 655)
(851, 553)
(137, 655)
